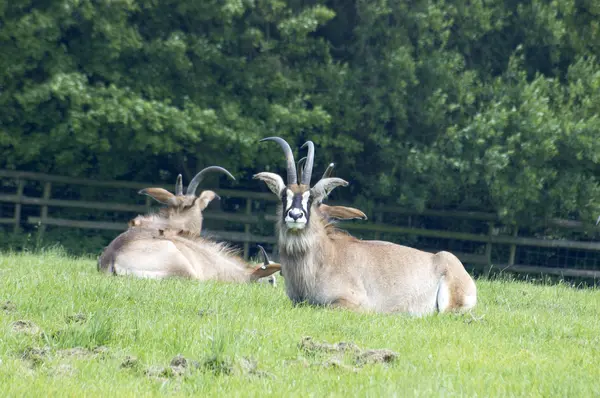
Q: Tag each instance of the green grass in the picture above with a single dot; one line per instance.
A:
(243, 340)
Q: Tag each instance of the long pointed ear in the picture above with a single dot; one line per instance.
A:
(263, 271)
(205, 198)
(342, 212)
(273, 181)
(325, 186)
(160, 195)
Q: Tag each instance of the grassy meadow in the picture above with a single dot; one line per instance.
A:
(66, 330)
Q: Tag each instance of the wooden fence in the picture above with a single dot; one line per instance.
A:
(248, 220)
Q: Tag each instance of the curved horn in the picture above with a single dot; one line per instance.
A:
(310, 161)
(300, 166)
(191, 189)
(328, 171)
(179, 186)
(265, 257)
(292, 178)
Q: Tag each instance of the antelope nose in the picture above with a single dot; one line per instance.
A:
(295, 214)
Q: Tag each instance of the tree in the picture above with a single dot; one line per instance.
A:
(487, 106)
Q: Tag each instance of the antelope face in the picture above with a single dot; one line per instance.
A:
(298, 198)
(296, 208)
(182, 211)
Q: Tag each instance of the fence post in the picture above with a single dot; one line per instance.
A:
(20, 188)
(513, 247)
(378, 220)
(44, 212)
(247, 230)
(488, 250)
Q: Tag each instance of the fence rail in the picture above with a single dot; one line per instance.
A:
(247, 219)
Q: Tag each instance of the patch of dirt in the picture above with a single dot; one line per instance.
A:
(8, 306)
(310, 346)
(101, 351)
(205, 312)
(26, 327)
(35, 355)
(76, 318)
(180, 361)
(78, 352)
(130, 362)
(178, 365)
(249, 366)
(218, 366)
(83, 353)
(161, 372)
(360, 356)
(376, 356)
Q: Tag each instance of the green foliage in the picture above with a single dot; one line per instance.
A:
(83, 333)
(487, 106)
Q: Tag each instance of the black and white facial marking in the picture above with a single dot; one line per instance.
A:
(296, 208)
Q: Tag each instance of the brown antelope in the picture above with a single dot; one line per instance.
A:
(168, 243)
(325, 266)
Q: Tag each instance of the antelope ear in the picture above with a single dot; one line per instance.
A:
(325, 186)
(273, 181)
(263, 271)
(342, 212)
(160, 195)
(205, 198)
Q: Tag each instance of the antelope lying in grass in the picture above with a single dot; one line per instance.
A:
(168, 243)
(325, 266)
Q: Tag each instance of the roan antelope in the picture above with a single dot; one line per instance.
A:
(326, 266)
(168, 243)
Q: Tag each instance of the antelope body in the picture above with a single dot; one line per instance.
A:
(168, 243)
(326, 266)
(158, 254)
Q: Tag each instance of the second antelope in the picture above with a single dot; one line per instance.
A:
(325, 266)
(168, 243)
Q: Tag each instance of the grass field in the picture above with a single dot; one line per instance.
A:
(68, 331)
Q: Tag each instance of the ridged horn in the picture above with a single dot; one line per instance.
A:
(328, 171)
(191, 189)
(179, 186)
(265, 257)
(300, 167)
(292, 178)
(310, 161)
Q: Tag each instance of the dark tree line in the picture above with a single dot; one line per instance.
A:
(481, 105)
